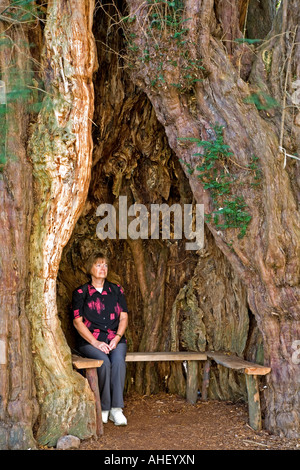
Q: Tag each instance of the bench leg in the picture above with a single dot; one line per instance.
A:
(192, 381)
(92, 377)
(253, 402)
(205, 382)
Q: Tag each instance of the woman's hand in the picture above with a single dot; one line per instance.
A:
(87, 335)
(114, 342)
(121, 330)
(101, 346)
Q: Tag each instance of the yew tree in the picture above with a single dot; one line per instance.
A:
(225, 90)
(45, 170)
(215, 80)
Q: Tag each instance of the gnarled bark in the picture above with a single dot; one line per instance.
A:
(132, 158)
(267, 258)
(61, 149)
(193, 79)
(18, 405)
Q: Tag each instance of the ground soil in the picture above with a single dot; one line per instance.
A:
(168, 422)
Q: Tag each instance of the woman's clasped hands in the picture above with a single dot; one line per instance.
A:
(104, 347)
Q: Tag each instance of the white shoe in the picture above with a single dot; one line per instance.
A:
(116, 415)
(105, 416)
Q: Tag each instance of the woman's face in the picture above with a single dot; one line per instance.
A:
(99, 269)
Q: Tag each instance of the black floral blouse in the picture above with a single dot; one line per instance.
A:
(100, 311)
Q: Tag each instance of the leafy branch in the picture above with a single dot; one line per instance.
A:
(230, 211)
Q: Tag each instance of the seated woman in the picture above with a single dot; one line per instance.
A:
(100, 317)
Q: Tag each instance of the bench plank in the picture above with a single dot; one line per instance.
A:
(165, 356)
(235, 362)
(85, 363)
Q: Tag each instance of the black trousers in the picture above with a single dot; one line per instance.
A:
(111, 375)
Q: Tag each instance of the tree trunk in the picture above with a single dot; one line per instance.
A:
(191, 62)
(236, 90)
(151, 275)
(131, 158)
(202, 321)
(18, 404)
(61, 149)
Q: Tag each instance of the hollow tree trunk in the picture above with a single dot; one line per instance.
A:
(61, 149)
(231, 91)
(132, 157)
(151, 277)
(211, 313)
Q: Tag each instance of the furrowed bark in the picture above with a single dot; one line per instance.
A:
(267, 258)
(61, 149)
(18, 404)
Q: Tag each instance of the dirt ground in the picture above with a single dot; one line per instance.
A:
(168, 422)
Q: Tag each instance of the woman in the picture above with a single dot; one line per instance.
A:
(100, 317)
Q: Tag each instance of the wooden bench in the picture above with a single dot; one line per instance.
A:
(191, 357)
(251, 371)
